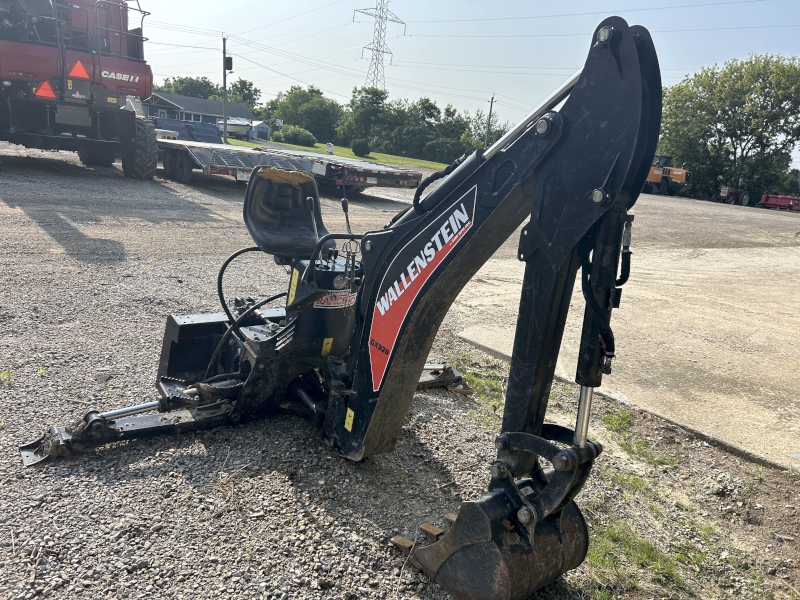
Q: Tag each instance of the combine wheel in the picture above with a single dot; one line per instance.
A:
(96, 159)
(141, 159)
(183, 167)
(169, 164)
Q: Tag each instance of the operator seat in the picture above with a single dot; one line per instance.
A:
(277, 215)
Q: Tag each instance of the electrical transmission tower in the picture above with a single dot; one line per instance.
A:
(378, 47)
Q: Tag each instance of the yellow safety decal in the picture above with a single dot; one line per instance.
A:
(293, 286)
(348, 421)
(112, 100)
(327, 344)
(69, 84)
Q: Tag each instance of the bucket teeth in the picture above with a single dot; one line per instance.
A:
(451, 517)
(431, 532)
(402, 544)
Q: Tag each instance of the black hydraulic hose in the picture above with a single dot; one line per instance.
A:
(602, 321)
(430, 179)
(222, 272)
(235, 325)
(625, 270)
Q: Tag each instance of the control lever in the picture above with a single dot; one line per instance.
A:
(311, 209)
(346, 209)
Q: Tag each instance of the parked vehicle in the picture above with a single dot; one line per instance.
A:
(666, 179)
(779, 202)
(732, 195)
(66, 71)
(237, 127)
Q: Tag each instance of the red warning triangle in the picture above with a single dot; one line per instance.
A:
(78, 71)
(46, 91)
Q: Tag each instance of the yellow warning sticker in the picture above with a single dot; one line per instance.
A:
(112, 100)
(293, 286)
(327, 344)
(348, 421)
(69, 84)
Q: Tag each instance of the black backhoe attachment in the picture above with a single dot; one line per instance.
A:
(347, 347)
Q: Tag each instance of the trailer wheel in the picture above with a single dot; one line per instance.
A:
(169, 164)
(96, 159)
(140, 161)
(183, 167)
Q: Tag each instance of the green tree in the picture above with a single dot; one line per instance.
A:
(246, 92)
(366, 111)
(736, 124)
(196, 87)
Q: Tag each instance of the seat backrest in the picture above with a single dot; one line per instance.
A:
(277, 215)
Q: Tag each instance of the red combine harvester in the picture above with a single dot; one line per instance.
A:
(66, 69)
(779, 202)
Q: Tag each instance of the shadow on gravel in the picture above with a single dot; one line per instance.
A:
(61, 197)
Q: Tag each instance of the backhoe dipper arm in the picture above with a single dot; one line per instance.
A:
(574, 172)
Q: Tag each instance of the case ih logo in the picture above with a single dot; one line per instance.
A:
(120, 76)
(408, 273)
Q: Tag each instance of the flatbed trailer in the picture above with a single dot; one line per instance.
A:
(181, 158)
(330, 170)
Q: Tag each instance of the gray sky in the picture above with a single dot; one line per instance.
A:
(455, 52)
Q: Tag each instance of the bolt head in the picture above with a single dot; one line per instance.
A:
(499, 471)
(604, 35)
(525, 516)
(598, 196)
(367, 246)
(542, 126)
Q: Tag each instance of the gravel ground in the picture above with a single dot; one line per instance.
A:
(93, 264)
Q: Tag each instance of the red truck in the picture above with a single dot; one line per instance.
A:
(66, 69)
(779, 202)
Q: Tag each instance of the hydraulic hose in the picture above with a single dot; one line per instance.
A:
(606, 333)
(438, 175)
(235, 326)
(222, 269)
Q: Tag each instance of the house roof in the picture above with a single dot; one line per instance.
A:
(202, 106)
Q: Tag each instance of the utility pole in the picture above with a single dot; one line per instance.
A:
(224, 91)
(378, 47)
(488, 123)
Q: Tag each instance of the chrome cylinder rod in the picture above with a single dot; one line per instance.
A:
(129, 411)
(582, 422)
(549, 104)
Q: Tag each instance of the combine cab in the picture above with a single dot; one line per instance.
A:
(66, 68)
(665, 179)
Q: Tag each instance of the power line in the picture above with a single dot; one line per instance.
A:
(582, 14)
(570, 69)
(550, 35)
(328, 5)
(378, 47)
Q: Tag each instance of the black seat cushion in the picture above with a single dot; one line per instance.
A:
(277, 215)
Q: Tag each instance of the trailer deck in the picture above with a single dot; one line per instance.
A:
(332, 170)
(180, 158)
